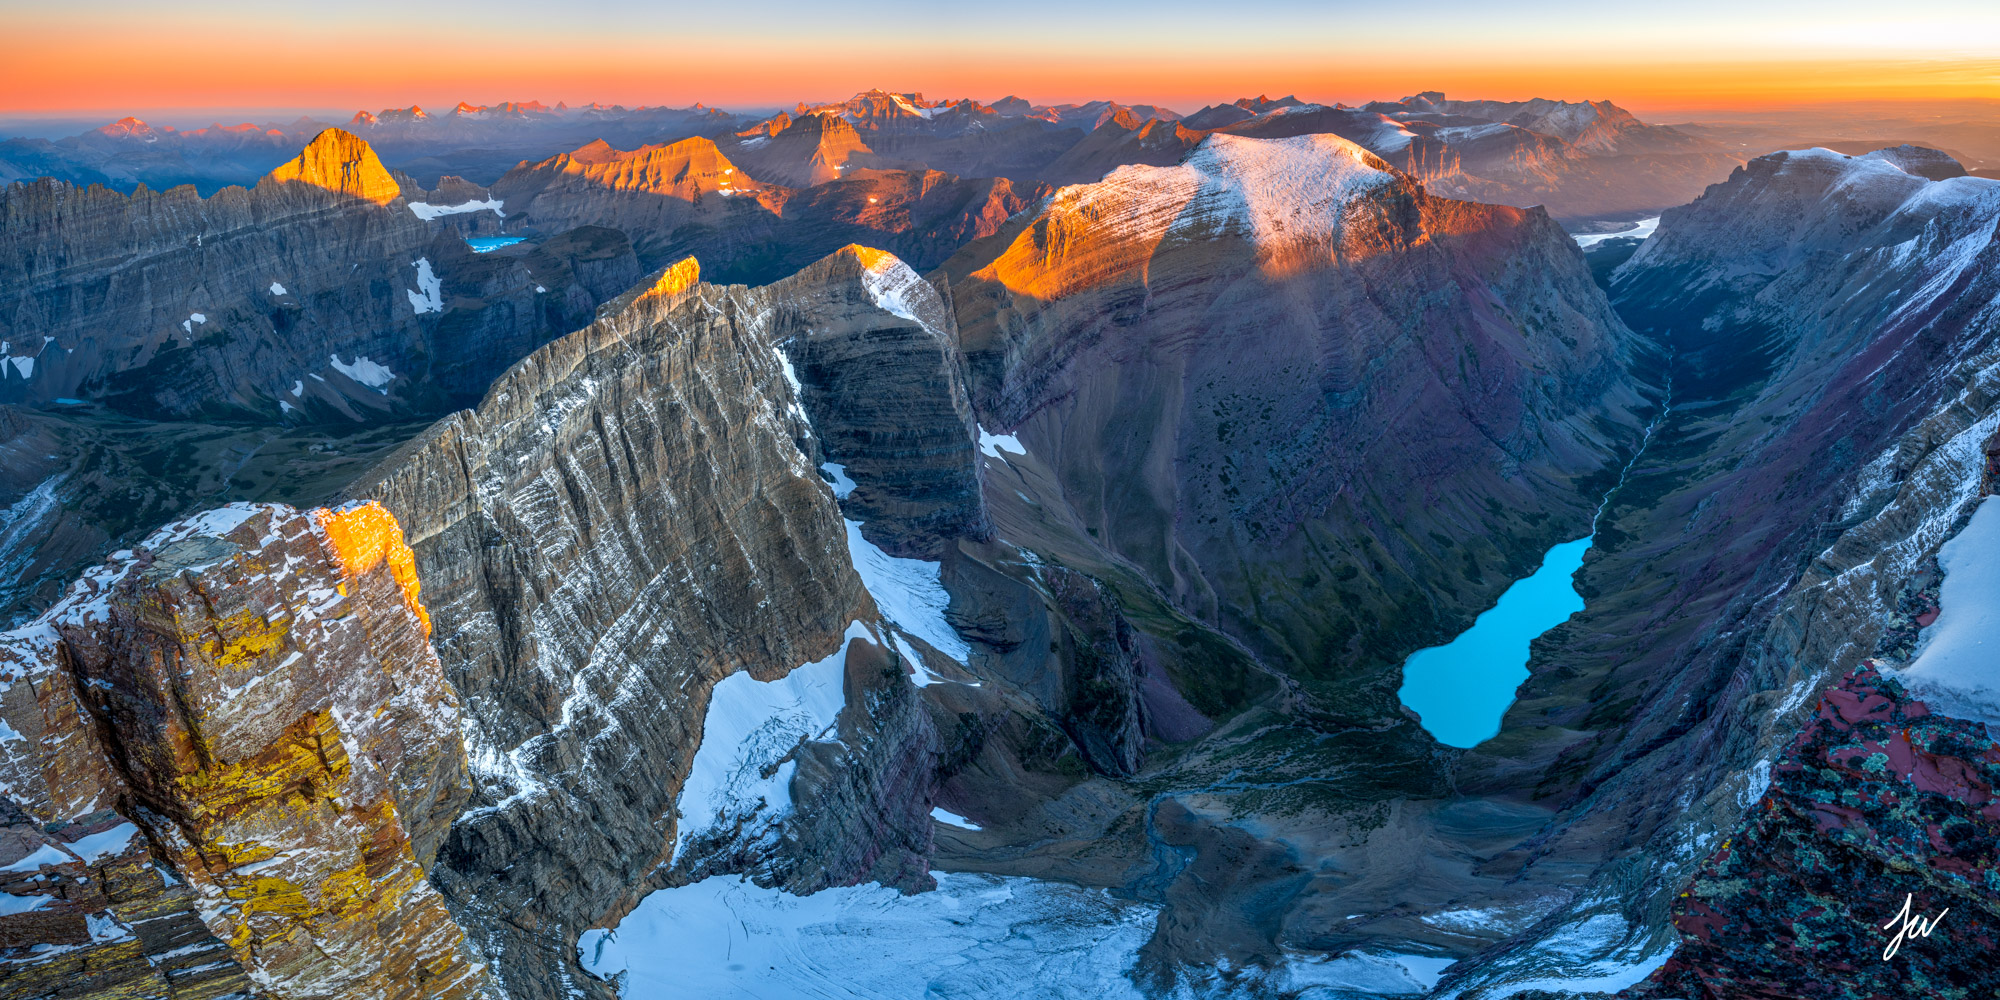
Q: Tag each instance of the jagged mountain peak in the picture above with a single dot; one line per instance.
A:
(129, 127)
(340, 161)
(883, 279)
(768, 127)
(819, 122)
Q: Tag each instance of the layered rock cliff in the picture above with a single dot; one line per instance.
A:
(231, 754)
(627, 519)
(876, 352)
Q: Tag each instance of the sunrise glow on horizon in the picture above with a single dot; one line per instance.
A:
(372, 55)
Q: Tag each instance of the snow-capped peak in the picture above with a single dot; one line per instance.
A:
(1273, 190)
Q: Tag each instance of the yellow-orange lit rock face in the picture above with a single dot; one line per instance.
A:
(365, 538)
(264, 706)
(676, 278)
(340, 162)
(693, 198)
(684, 170)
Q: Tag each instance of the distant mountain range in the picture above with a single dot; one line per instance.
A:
(1581, 160)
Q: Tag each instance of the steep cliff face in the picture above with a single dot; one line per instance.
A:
(239, 734)
(342, 164)
(1269, 372)
(316, 294)
(876, 353)
(661, 655)
(626, 520)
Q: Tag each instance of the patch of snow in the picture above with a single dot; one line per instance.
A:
(742, 768)
(11, 904)
(842, 485)
(45, 854)
(1755, 785)
(894, 286)
(1382, 974)
(908, 592)
(429, 295)
(26, 366)
(975, 937)
(1272, 190)
(1600, 951)
(1464, 133)
(277, 289)
(993, 444)
(1644, 229)
(106, 928)
(920, 675)
(797, 406)
(298, 388)
(427, 212)
(188, 324)
(539, 290)
(98, 845)
(1953, 668)
(1466, 920)
(949, 818)
(364, 371)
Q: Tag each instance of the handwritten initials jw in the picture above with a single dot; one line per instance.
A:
(1905, 925)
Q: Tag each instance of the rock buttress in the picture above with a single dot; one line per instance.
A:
(253, 695)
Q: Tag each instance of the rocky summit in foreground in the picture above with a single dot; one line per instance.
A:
(231, 755)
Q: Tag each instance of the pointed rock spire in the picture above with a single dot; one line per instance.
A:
(338, 161)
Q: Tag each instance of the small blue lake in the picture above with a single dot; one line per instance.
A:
(488, 244)
(1461, 689)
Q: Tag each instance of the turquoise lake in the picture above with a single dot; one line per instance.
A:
(488, 244)
(1461, 689)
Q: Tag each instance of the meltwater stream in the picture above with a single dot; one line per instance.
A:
(1462, 689)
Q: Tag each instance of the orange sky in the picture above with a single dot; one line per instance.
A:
(225, 54)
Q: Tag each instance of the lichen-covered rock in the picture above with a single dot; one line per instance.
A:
(1880, 803)
(89, 911)
(254, 692)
